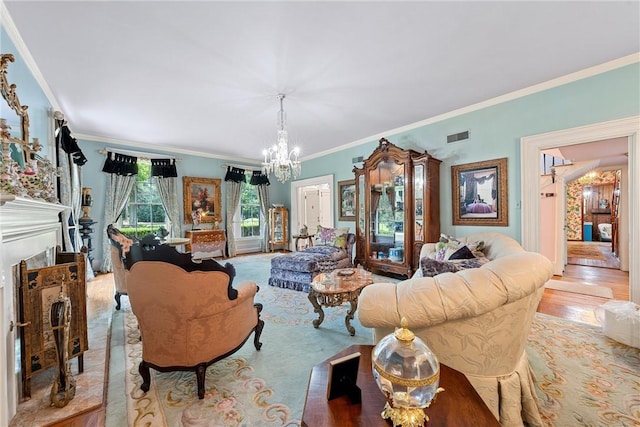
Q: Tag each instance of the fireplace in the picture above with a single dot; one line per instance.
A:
(27, 228)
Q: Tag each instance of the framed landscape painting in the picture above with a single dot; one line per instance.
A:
(480, 193)
(347, 200)
(202, 197)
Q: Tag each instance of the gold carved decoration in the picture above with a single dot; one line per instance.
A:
(9, 94)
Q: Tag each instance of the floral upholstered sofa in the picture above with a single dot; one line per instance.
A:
(333, 248)
(475, 320)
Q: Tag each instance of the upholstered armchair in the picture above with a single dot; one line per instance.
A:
(119, 246)
(189, 314)
(475, 320)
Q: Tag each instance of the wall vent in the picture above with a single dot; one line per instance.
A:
(357, 159)
(458, 137)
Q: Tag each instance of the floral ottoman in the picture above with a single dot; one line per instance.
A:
(296, 270)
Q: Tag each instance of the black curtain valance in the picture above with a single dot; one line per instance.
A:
(120, 164)
(166, 168)
(259, 178)
(235, 174)
(69, 144)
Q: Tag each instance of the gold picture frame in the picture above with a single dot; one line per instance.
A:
(480, 195)
(202, 193)
(347, 200)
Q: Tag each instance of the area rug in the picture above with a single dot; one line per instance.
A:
(585, 250)
(579, 288)
(583, 378)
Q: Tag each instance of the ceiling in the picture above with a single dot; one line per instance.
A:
(204, 76)
(607, 153)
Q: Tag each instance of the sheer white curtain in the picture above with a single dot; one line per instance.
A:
(118, 190)
(168, 189)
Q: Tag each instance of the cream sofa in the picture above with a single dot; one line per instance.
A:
(476, 321)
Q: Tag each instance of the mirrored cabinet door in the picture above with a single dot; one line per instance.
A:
(391, 220)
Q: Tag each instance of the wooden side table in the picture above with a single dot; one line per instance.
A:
(459, 405)
(204, 243)
(302, 237)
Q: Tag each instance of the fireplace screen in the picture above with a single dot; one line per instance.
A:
(38, 288)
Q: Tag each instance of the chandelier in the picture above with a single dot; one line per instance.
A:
(278, 159)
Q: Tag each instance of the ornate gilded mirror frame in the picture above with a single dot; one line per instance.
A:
(9, 94)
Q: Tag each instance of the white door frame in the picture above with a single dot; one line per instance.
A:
(531, 148)
(296, 187)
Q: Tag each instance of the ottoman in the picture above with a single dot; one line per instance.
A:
(296, 270)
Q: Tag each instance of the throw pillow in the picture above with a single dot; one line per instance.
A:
(431, 267)
(463, 253)
(328, 236)
(448, 245)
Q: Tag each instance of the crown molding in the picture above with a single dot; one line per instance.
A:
(550, 84)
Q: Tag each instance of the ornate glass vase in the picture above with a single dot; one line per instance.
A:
(408, 374)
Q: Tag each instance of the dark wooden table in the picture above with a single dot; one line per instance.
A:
(459, 405)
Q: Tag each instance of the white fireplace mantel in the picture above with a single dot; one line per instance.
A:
(27, 227)
(22, 217)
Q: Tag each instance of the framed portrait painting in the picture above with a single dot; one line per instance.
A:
(480, 193)
(347, 200)
(202, 199)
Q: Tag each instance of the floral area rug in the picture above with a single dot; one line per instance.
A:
(234, 396)
(582, 377)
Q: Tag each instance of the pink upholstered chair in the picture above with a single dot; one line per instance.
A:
(189, 314)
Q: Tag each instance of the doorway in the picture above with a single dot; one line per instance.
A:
(312, 203)
(533, 234)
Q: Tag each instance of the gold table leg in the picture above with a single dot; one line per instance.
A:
(313, 297)
(349, 317)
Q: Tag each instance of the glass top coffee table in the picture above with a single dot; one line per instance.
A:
(336, 288)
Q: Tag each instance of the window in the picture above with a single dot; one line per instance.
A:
(248, 220)
(144, 212)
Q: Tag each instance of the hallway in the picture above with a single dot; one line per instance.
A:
(592, 254)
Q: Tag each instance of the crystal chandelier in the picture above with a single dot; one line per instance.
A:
(278, 159)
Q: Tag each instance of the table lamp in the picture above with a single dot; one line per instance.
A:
(408, 374)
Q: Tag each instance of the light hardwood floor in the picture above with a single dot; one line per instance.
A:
(580, 307)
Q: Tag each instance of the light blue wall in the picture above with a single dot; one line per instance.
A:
(495, 132)
(30, 94)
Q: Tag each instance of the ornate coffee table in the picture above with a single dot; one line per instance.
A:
(336, 288)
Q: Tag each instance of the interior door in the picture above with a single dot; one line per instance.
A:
(311, 209)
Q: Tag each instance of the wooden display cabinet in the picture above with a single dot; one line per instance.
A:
(278, 228)
(398, 199)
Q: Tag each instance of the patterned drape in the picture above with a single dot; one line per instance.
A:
(262, 181)
(118, 190)
(233, 190)
(263, 196)
(70, 158)
(168, 189)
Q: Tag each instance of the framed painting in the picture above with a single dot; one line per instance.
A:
(347, 200)
(202, 199)
(480, 193)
